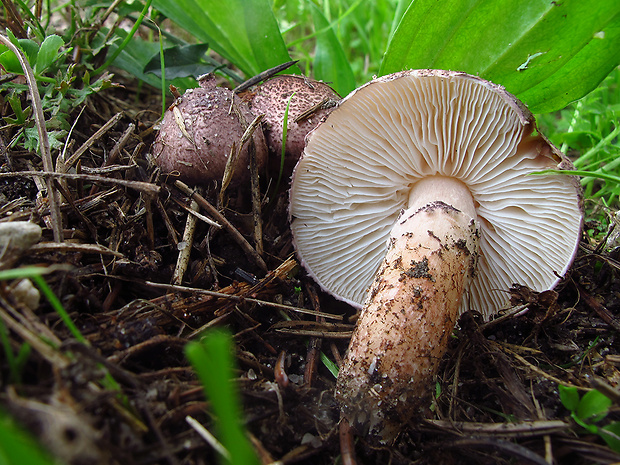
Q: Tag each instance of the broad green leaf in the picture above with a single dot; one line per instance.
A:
(8, 59)
(48, 53)
(569, 396)
(547, 53)
(401, 8)
(30, 48)
(10, 63)
(181, 61)
(245, 32)
(330, 62)
(593, 406)
(264, 34)
(134, 56)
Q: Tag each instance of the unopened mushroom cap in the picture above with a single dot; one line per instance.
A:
(359, 166)
(198, 131)
(271, 99)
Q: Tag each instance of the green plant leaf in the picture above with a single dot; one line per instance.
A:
(30, 48)
(21, 115)
(48, 53)
(546, 53)
(19, 447)
(10, 63)
(330, 62)
(594, 174)
(181, 61)
(244, 32)
(401, 8)
(569, 396)
(611, 435)
(55, 139)
(212, 359)
(593, 406)
(9, 60)
(133, 57)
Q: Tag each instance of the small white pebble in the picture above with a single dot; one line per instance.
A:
(311, 439)
(25, 292)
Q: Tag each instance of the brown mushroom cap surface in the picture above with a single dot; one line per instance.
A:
(271, 99)
(360, 165)
(198, 131)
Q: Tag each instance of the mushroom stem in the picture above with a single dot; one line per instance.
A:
(411, 309)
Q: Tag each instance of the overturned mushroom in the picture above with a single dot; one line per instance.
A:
(198, 132)
(416, 199)
(308, 102)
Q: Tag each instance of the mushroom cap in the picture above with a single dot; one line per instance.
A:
(359, 165)
(271, 99)
(198, 131)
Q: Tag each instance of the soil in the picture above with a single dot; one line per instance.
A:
(496, 398)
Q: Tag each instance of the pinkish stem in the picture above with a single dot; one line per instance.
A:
(411, 309)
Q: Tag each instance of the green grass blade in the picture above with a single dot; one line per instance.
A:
(58, 308)
(546, 53)
(284, 136)
(331, 366)
(330, 62)
(212, 359)
(606, 141)
(134, 57)
(10, 358)
(162, 70)
(25, 272)
(27, 10)
(180, 61)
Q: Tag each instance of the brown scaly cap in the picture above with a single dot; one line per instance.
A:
(314, 98)
(198, 131)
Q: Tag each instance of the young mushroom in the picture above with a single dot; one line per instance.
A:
(308, 102)
(197, 135)
(415, 200)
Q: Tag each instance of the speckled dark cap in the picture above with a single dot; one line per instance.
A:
(271, 98)
(198, 131)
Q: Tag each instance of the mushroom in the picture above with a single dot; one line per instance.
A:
(308, 102)
(198, 132)
(416, 201)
